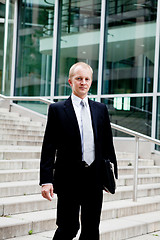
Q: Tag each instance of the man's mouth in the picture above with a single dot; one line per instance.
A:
(82, 88)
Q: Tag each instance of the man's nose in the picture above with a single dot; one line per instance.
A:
(83, 81)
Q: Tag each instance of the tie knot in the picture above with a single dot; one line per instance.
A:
(82, 103)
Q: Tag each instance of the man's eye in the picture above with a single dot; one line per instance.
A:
(79, 79)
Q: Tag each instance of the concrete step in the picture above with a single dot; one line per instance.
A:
(148, 236)
(19, 120)
(130, 162)
(116, 228)
(8, 131)
(126, 192)
(17, 137)
(125, 155)
(18, 175)
(130, 226)
(9, 114)
(8, 164)
(113, 209)
(24, 204)
(123, 208)
(23, 171)
(13, 117)
(21, 126)
(20, 188)
(3, 110)
(141, 170)
(19, 152)
(21, 142)
(21, 224)
(127, 180)
(49, 235)
(19, 164)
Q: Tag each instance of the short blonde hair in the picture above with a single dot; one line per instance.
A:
(82, 64)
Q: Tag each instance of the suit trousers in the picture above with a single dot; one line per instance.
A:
(84, 203)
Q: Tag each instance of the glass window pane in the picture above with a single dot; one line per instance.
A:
(7, 64)
(79, 40)
(158, 123)
(35, 40)
(2, 9)
(130, 47)
(39, 107)
(132, 113)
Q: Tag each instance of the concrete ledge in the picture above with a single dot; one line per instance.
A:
(20, 188)
(18, 175)
(19, 164)
(24, 204)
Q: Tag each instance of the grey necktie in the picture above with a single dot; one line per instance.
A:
(87, 135)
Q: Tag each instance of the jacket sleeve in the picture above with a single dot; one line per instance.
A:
(48, 148)
(109, 143)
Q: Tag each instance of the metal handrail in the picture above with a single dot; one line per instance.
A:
(137, 137)
(114, 126)
(134, 133)
(38, 99)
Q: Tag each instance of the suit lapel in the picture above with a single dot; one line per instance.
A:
(68, 107)
(93, 116)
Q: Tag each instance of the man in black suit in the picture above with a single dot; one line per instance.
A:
(65, 168)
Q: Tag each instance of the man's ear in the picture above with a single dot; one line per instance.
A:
(70, 82)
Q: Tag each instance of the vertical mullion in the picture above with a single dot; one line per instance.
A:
(14, 48)
(55, 47)
(5, 45)
(101, 48)
(156, 71)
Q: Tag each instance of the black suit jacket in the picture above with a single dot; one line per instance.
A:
(61, 156)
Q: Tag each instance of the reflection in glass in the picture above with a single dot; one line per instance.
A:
(36, 106)
(35, 39)
(2, 9)
(130, 47)
(132, 113)
(1, 53)
(158, 123)
(79, 40)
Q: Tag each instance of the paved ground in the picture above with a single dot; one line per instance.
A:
(48, 236)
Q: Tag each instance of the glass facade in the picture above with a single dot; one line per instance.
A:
(133, 113)
(53, 35)
(78, 41)
(130, 47)
(34, 53)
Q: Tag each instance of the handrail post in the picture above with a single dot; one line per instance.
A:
(135, 179)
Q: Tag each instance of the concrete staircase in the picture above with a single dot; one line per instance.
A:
(23, 211)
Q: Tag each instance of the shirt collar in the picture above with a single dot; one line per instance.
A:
(76, 100)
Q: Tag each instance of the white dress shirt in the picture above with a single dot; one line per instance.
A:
(77, 108)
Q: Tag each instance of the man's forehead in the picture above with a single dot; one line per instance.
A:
(81, 69)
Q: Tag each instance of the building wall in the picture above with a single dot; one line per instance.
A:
(119, 39)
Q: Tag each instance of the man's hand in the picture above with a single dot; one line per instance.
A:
(47, 191)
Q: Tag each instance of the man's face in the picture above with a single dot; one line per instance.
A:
(81, 81)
